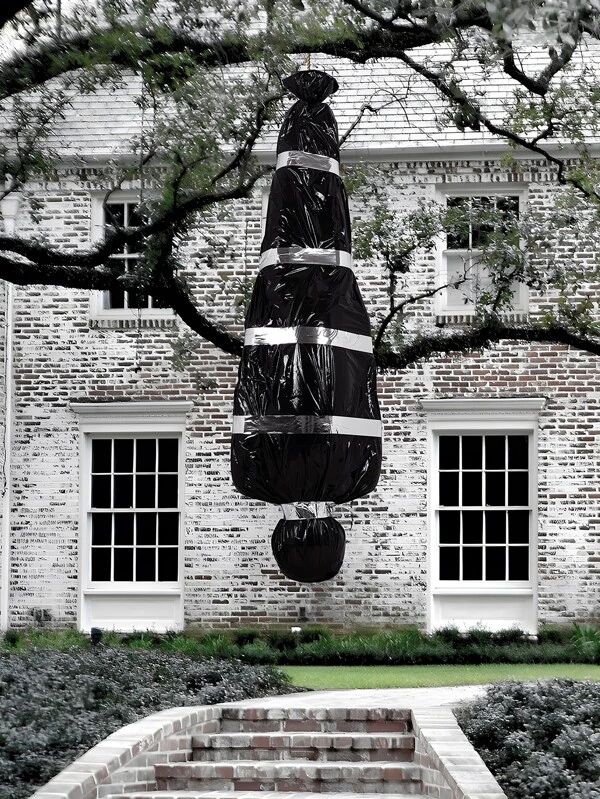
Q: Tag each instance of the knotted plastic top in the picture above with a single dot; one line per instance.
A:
(311, 85)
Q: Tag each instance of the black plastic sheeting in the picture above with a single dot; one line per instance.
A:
(306, 427)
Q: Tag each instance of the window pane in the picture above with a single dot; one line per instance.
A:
(137, 299)
(495, 563)
(518, 526)
(145, 563)
(144, 487)
(471, 452)
(482, 220)
(101, 448)
(449, 563)
(449, 452)
(116, 298)
(472, 527)
(145, 455)
(101, 491)
(158, 302)
(114, 214)
(449, 527)
(508, 204)
(448, 488)
(518, 488)
(101, 563)
(167, 563)
(167, 491)
(101, 529)
(495, 526)
(123, 454)
(494, 488)
(133, 216)
(494, 452)
(461, 271)
(518, 452)
(124, 529)
(168, 528)
(471, 488)
(518, 563)
(168, 455)
(472, 563)
(458, 236)
(123, 491)
(146, 528)
(123, 564)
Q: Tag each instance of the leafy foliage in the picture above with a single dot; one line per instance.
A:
(541, 740)
(206, 77)
(54, 705)
(316, 645)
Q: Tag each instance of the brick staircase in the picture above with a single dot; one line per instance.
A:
(259, 753)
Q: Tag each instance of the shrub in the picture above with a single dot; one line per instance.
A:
(217, 646)
(314, 632)
(541, 740)
(316, 645)
(555, 634)
(245, 635)
(56, 705)
(259, 652)
(586, 642)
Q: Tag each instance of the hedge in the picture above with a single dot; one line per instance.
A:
(540, 740)
(54, 705)
(312, 645)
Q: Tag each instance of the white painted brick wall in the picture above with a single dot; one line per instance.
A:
(230, 576)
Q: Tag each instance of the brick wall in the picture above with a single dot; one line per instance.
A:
(230, 576)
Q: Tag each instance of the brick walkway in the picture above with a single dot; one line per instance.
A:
(378, 744)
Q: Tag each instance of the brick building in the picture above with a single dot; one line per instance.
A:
(91, 392)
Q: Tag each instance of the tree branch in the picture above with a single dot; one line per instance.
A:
(481, 337)
(49, 256)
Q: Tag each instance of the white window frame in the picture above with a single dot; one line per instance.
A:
(96, 310)
(480, 416)
(466, 312)
(127, 419)
(264, 206)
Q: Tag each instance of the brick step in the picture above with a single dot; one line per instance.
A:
(297, 775)
(257, 795)
(338, 746)
(357, 720)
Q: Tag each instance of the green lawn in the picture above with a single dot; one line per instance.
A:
(340, 677)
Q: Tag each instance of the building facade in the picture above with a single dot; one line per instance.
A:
(118, 506)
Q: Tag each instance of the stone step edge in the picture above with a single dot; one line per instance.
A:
(368, 713)
(302, 740)
(371, 771)
(199, 794)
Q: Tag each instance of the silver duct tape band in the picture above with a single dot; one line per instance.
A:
(272, 336)
(293, 425)
(309, 160)
(306, 510)
(305, 255)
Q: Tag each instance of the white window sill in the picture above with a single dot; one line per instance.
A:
(482, 590)
(133, 591)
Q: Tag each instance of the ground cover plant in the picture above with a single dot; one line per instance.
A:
(313, 645)
(54, 705)
(541, 740)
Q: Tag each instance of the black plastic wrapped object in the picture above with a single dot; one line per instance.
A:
(306, 427)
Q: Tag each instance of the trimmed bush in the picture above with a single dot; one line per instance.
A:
(54, 705)
(315, 645)
(541, 740)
